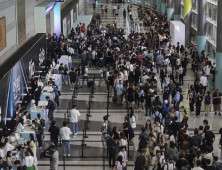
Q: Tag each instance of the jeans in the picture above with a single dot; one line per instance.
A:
(132, 28)
(75, 128)
(57, 100)
(148, 108)
(39, 138)
(50, 115)
(158, 67)
(63, 78)
(210, 84)
(66, 79)
(77, 82)
(85, 77)
(64, 143)
(136, 25)
(112, 156)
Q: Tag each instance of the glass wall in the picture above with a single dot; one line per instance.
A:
(194, 20)
(211, 33)
(212, 12)
(211, 49)
(195, 5)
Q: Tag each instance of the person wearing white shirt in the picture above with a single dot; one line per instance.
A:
(29, 160)
(170, 165)
(8, 146)
(14, 137)
(74, 119)
(85, 76)
(144, 79)
(157, 160)
(157, 148)
(20, 128)
(124, 155)
(203, 81)
(48, 75)
(53, 63)
(40, 83)
(64, 133)
(198, 167)
(2, 150)
(157, 127)
(26, 114)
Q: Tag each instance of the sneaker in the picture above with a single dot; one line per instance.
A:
(40, 148)
(74, 136)
(215, 113)
(71, 89)
(69, 154)
(64, 154)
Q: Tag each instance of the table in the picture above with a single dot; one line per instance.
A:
(55, 70)
(41, 110)
(57, 78)
(47, 93)
(65, 59)
(27, 131)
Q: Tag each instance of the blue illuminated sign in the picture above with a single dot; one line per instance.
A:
(49, 8)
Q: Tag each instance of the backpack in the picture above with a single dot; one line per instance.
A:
(207, 99)
(109, 127)
(185, 143)
(54, 105)
(181, 97)
(42, 122)
(167, 121)
(157, 118)
(136, 116)
(144, 140)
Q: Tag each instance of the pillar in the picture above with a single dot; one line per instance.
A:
(219, 47)
(169, 10)
(163, 6)
(177, 8)
(130, 2)
(143, 3)
(187, 20)
(201, 26)
(158, 4)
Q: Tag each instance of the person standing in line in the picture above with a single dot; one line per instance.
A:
(56, 92)
(140, 160)
(181, 75)
(136, 24)
(49, 107)
(119, 89)
(207, 105)
(101, 75)
(217, 101)
(159, 62)
(85, 76)
(111, 144)
(124, 13)
(74, 119)
(78, 76)
(203, 81)
(64, 133)
(54, 162)
(148, 158)
(54, 130)
(132, 25)
(199, 99)
(72, 77)
(110, 84)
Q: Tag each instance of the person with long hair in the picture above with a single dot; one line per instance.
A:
(172, 151)
(166, 135)
(190, 157)
(20, 127)
(116, 134)
(152, 140)
(132, 119)
(9, 159)
(29, 161)
(118, 164)
(33, 147)
(197, 157)
(160, 137)
(148, 126)
(124, 155)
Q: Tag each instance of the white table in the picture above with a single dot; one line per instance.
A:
(27, 131)
(57, 78)
(47, 93)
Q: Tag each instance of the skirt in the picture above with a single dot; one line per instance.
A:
(207, 107)
(30, 168)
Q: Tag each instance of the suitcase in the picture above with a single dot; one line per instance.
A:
(114, 99)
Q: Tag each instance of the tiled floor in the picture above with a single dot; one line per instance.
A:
(116, 112)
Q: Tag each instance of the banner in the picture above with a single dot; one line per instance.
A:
(187, 7)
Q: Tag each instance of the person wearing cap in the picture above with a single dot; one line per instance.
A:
(3, 164)
(170, 165)
(49, 107)
(74, 119)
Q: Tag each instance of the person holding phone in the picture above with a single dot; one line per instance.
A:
(158, 161)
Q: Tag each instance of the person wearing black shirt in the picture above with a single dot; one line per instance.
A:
(148, 104)
(166, 94)
(140, 160)
(199, 87)
(209, 165)
(217, 101)
(18, 165)
(78, 76)
(72, 77)
(111, 144)
(54, 130)
(110, 84)
(174, 126)
(199, 99)
(33, 84)
(209, 138)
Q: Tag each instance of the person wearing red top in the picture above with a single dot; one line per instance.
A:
(83, 28)
(140, 57)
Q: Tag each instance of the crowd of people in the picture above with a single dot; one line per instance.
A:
(143, 70)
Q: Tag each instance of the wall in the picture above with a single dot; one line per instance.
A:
(7, 10)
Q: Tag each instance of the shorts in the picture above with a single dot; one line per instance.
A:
(207, 107)
(72, 81)
(216, 107)
(142, 99)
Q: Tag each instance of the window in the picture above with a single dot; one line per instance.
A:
(212, 12)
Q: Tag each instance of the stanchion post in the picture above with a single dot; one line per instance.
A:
(128, 147)
(103, 163)
(64, 163)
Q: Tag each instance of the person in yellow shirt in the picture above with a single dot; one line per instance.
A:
(33, 147)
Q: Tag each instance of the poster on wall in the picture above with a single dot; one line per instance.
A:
(64, 25)
(71, 17)
(2, 34)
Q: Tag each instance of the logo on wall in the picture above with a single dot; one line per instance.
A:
(31, 69)
(41, 56)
